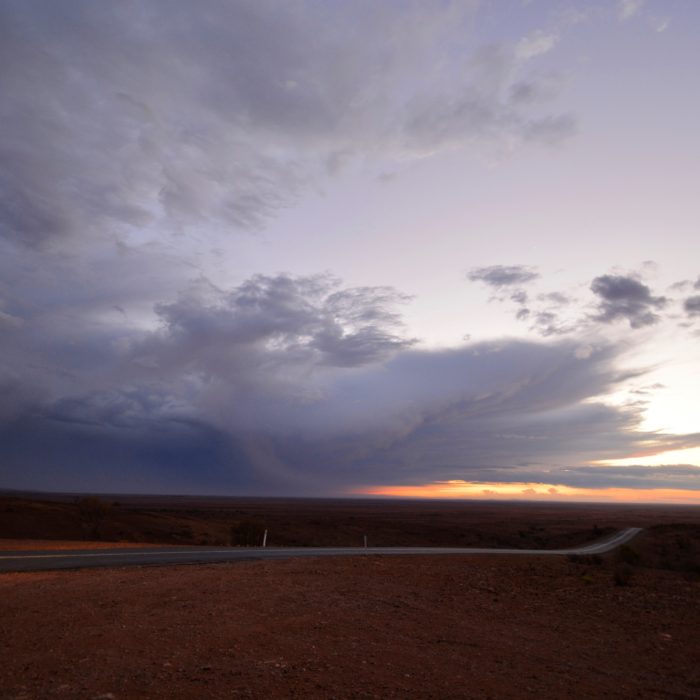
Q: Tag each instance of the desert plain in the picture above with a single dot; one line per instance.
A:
(623, 625)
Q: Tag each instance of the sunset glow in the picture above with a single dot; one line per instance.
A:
(530, 491)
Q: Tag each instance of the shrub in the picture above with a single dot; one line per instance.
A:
(247, 533)
(628, 555)
(93, 511)
(622, 575)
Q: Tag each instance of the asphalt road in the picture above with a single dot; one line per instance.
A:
(158, 556)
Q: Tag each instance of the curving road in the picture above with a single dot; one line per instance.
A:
(155, 556)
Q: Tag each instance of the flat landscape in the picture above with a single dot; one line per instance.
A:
(617, 626)
(323, 522)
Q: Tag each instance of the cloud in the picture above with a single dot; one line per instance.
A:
(624, 297)
(626, 9)
(672, 476)
(660, 24)
(116, 119)
(556, 298)
(551, 130)
(685, 285)
(499, 276)
(241, 390)
(536, 90)
(692, 306)
(535, 44)
(282, 319)
(548, 323)
(519, 296)
(543, 313)
(136, 134)
(558, 313)
(297, 385)
(637, 477)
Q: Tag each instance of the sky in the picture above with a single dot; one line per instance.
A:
(321, 248)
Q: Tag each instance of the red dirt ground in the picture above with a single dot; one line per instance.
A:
(422, 627)
(7, 545)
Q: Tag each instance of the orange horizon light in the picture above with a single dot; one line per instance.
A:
(456, 489)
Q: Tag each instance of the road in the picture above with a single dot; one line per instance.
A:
(160, 556)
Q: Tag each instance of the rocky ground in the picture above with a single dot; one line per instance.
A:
(423, 627)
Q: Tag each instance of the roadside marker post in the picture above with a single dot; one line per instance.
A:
(265, 539)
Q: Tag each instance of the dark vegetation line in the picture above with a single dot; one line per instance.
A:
(671, 539)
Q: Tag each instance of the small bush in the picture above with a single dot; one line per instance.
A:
(247, 533)
(628, 555)
(93, 512)
(622, 575)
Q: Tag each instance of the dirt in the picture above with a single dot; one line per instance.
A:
(8, 545)
(325, 522)
(421, 627)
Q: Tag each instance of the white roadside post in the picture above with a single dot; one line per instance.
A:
(365, 541)
(265, 539)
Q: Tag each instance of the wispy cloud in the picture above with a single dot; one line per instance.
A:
(626, 9)
(116, 119)
(535, 44)
(499, 276)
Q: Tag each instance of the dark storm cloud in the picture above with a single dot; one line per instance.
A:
(499, 276)
(166, 456)
(296, 385)
(101, 401)
(128, 115)
(624, 297)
